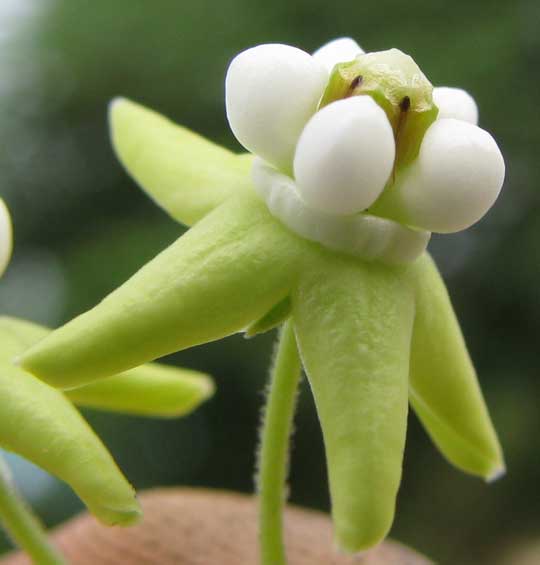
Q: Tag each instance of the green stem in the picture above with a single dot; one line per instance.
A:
(273, 457)
(22, 525)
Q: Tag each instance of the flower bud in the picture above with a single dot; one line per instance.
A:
(455, 103)
(271, 92)
(344, 156)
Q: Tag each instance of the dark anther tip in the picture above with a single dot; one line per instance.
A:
(356, 82)
(405, 104)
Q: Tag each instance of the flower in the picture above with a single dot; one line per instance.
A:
(346, 125)
(373, 322)
(41, 424)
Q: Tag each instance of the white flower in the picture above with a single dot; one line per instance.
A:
(341, 159)
(6, 238)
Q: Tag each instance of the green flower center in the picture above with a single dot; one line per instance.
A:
(398, 86)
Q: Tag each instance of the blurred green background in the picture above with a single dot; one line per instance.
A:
(82, 227)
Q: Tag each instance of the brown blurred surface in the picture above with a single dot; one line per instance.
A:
(202, 527)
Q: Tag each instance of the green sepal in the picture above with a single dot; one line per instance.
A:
(272, 319)
(399, 87)
(353, 323)
(184, 173)
(444, 389)
(228, 270)
(40, 424)
(149, 390)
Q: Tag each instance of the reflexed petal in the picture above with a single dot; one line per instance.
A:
(6, 237)
(38, 423)
(223, 274)
(337, 51)
(353, 324)
(345, 156)
(148, 390)
(455, 103)
(453, 183)
(187, 175)
(271, 92)
(444, 390)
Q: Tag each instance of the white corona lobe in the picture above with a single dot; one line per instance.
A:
(455, 103)
(271, 92)
(344, 156)
(362, 235)
(455, 180)
(339, 50)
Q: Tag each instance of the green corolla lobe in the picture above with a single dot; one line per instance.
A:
(179, 166)
(444, 389)
(371, 337)
(40, 424)
(399, 87)
(153, 389)
(353, 324)
(230, 269)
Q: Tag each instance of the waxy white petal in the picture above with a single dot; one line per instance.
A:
(455, 103)
(455, 180)
(271, 92)
(6, 237)
(339, 50)
(345, 156)
(361, 235)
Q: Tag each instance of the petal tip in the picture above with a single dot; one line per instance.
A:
(496, 474)
(207, 388)
(116, 102)
(123, 517)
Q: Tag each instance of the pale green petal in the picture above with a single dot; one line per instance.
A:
(148, 390)
(353, 324)
(187, 175)
(38, 423)
(444, 390)
(227, 271)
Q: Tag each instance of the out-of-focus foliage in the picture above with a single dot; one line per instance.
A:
(82, 227)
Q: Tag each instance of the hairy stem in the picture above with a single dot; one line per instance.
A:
(273, 457)
(24, 528)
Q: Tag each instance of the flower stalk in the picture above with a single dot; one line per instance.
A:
(23, 526)
(273, 455)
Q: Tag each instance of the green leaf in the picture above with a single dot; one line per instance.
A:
(149, 390)
(228, 270)
(444, 389)
(40, 424)
(353, 324)
(187, 175)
